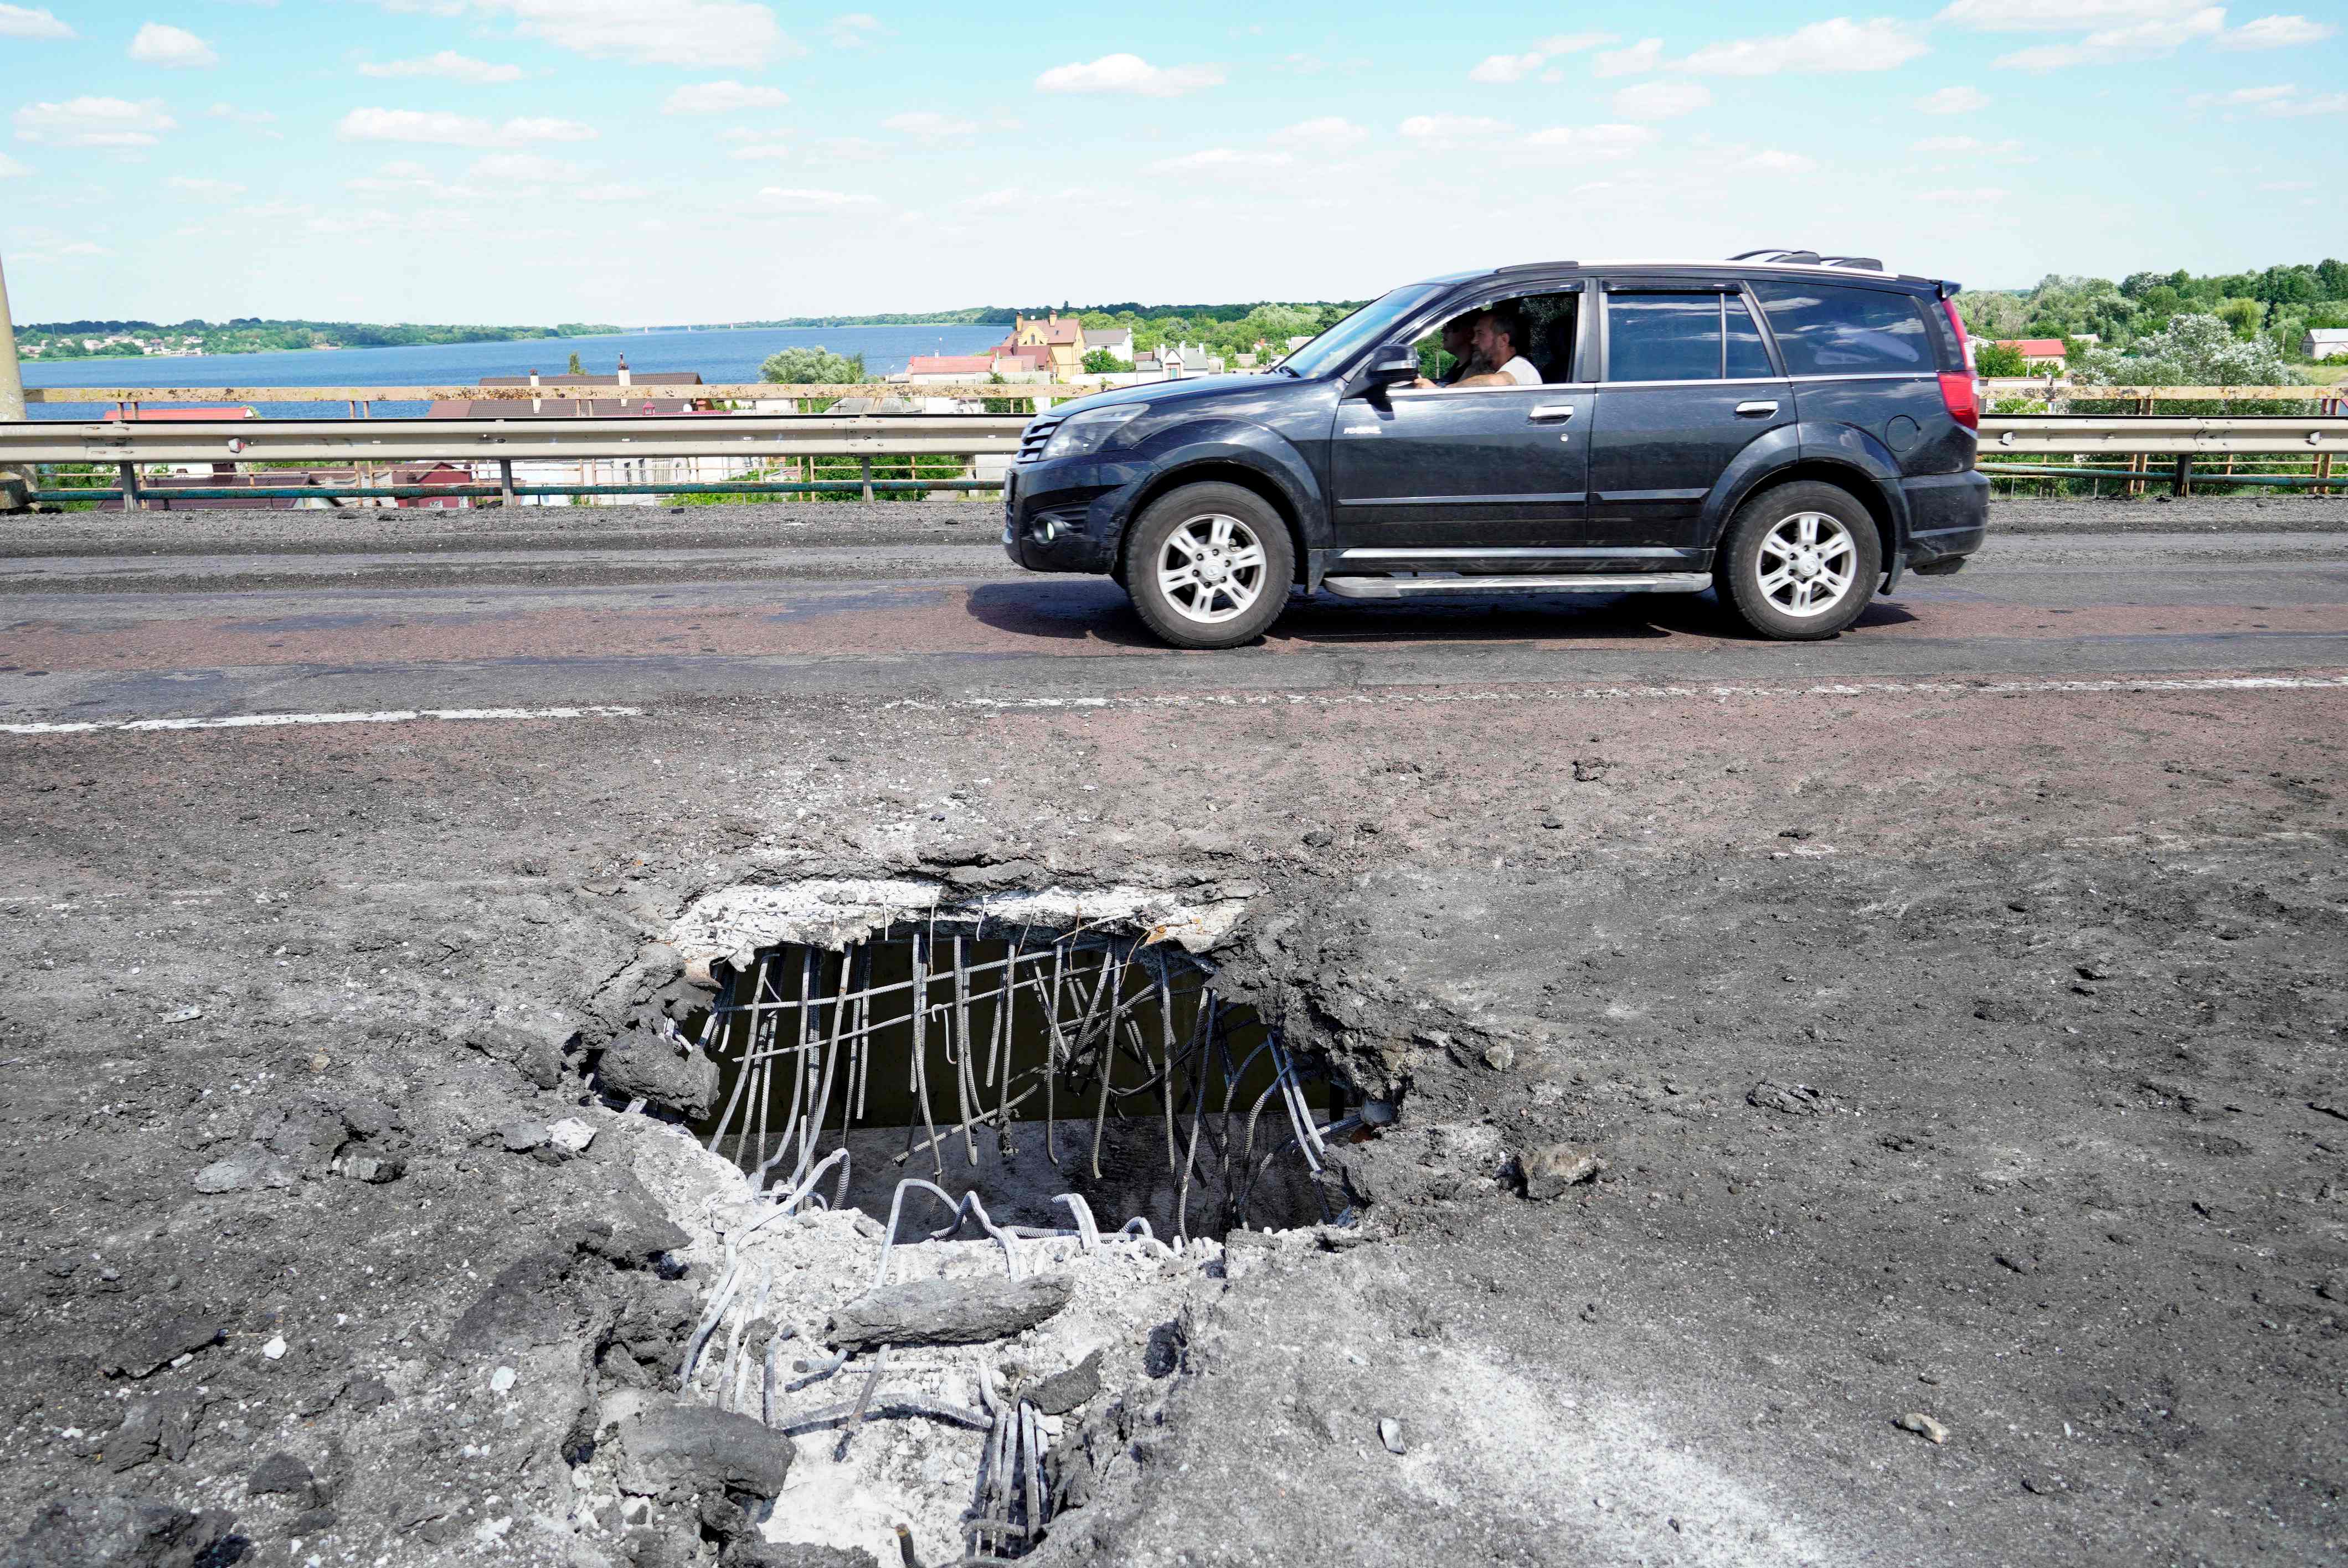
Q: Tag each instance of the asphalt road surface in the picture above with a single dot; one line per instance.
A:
(1950, 1016)
(300, 620)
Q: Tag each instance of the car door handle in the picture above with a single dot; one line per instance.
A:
(1757, 410)
(1543, 411)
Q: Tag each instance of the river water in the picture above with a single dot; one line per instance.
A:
(728, 354)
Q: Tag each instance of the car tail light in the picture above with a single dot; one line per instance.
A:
(1964, 344)
(1960, 393)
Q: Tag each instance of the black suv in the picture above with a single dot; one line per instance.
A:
(1786, 428)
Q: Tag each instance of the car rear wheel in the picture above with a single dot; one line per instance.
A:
(1799, 562)
(1209, 565)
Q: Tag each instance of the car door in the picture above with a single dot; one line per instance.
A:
(1688, 385)
(1431, 479)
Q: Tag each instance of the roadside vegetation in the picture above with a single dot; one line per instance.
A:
(254, 334)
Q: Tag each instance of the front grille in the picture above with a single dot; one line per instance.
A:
(1032, 440)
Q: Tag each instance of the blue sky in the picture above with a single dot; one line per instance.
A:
(643, 161)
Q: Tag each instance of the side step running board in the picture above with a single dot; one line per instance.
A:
(1579, 582)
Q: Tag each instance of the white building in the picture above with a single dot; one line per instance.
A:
(1118, 340)
(2324, 342)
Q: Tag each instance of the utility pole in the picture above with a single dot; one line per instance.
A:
(15, 483)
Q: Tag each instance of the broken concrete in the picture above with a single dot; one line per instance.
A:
(947, 1311)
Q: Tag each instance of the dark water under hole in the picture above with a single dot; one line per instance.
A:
(1192, 1083)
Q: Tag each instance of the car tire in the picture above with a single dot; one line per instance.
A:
(1799, 562)
(1209, 565)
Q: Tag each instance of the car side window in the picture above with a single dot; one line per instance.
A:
(1662, 337)
(1748, 357)
(1824, 330)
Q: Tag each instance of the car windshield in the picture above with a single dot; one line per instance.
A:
(1372, 322)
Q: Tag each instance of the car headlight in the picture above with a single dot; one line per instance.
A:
(1089, 430)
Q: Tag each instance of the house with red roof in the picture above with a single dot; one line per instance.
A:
(2036, 351)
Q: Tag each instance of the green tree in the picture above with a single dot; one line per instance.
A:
(1999, 359)
(2241, 314)
(817, 366)
(574, 364)
(1101, 362)
(2196, 350)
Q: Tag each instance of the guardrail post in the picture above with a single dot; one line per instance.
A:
(2183, 484)
(865, 464)
(505, 481)
(132, 501)
(15, 483)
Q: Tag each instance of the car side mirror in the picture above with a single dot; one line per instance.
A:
(1396, 366)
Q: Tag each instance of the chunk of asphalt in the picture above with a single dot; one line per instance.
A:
(1549, 1171)
(160, 1344)
(285, 1473)
(948, 1311)
(118, 1533)
(677, 1452)
(1065, 1391)
(521, 1137)
(250, 1167)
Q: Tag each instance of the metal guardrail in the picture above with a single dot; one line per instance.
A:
(389, 441)
(366, 444)
(726, 392)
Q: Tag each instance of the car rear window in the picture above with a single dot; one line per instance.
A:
(1823, 329)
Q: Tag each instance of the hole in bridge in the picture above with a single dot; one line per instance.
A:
(1024, 1064)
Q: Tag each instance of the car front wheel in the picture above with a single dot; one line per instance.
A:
(1799, 562)
(1209, 565)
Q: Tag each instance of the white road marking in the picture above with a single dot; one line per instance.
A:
(279, 721)
(1602, 693)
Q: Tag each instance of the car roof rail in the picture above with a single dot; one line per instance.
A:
(1774, 254)
(1535, 267)
(1857, 264)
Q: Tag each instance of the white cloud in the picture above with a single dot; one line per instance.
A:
(1573, 43)
(1838, 44)
(1661, 99)
(723, 97)
(24, 22)
(1331, 133)
(1517, 67)
(94, 122)
(83, 248)
(1506, 68)
(1643, 56)
(2276, 33)
(441, 128)
(525, 168)
(1591, 140)
(846, 149)
(2060, 16)
(400, 176)
(762, 152)
(242, 116)
(447, 65)
(1219, 158)
(2243, 95)
(928, 125)
(2297, 108)
(12, 170)
(1953, 100)
(853, 31)
(788, 200)
(210, 189)
(2164, 34)
(1978, 196)
(1770, 161)
(1130, 74)
(157, 44)
(1452, 129)
(703, 32)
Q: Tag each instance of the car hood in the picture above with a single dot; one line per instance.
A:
(1169, 394)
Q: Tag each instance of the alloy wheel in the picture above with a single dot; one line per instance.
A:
(1807, 564)
(1211, 568)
